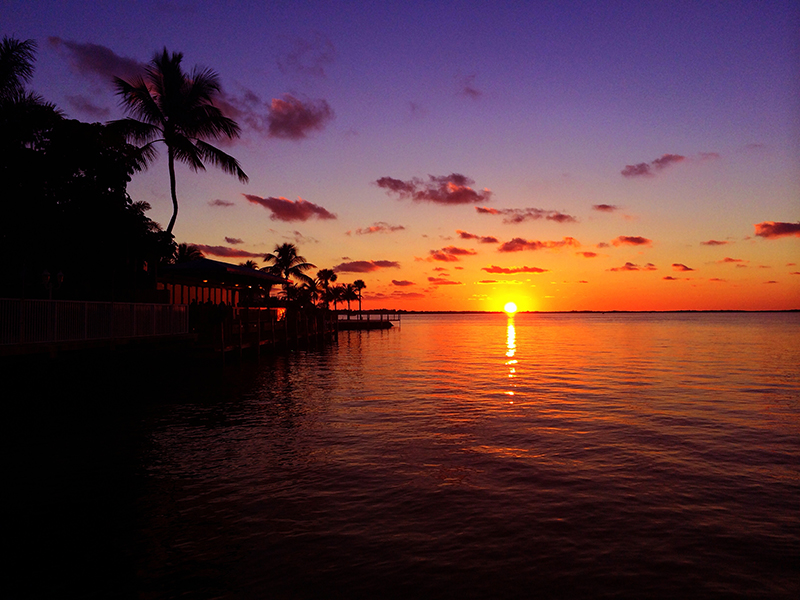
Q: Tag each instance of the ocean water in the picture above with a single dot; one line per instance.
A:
(455, 456)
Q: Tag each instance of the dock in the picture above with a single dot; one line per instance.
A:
(367, 320)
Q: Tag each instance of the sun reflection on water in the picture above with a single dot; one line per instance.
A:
(511, 345)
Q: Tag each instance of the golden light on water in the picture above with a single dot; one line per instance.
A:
(510, 308)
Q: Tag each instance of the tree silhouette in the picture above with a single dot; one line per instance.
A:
(359, 285)
(177, 108)
(186, 253)
(324, 278)
(287, 263)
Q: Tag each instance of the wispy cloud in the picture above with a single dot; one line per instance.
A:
(402, 282)
(86, 106)
(520, 215)
(96, 61)
(379, 227)
(587, 254)
(443, 189)
(714, 243)
(631, 240)
(483, 239)
(520, 244)
(775, 229)
(288, 210)
(221, 203)
(468, 88)
(308, 56)
(293, 119)
(365, 266)
(513, 270)
(646, 169)
(233, 240)
(226, 252)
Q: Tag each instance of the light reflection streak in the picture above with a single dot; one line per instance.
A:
(511, 345)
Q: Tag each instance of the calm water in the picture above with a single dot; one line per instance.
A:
(459, 456)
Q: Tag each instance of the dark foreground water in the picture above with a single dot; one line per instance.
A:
(469, 456)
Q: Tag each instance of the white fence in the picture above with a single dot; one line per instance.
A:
(47, 321)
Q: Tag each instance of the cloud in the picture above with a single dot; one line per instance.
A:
(646, 169)
(587, 254)
(681, 267)
(709, 155)
(98, 62)
(773, 229)
(631, 240)
(83, 104)
(519, 215)
(292, 119)
(605, 207)
(771, 281)
(219, 202)
(226, 252)
(483, 239)
(629, 266)
(450, 254)
(519, 244)
(714, 243)
(512, 270)
(736, 261)
(379, 227)
(365, 266)
(669, 278)
(402, 282)
(444, 189)
(468, 88)
(442, 281)
(288, 210)
(308, 56)
(233, 240)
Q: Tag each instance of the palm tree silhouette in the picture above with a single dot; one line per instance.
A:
(325, 277)
(177, 108)
(186, 253)
(250, 264)
(359, 285)
(287, 263)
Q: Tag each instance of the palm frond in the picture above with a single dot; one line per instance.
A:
(220, 159)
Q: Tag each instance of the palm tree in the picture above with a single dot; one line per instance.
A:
(349, 293)
(336, 294)
(287, 263)
(177, 108)
(250, 264)
(359, 285)
(16, 66)
(324, 278)
(186, 253)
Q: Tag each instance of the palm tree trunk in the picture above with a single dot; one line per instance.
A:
(171, 163)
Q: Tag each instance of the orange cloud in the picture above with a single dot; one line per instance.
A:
(512, 270)
(519, 244)
(450, 254)
(379, 227)
(226, 252)
(483, 239)
(714, 243)
(629, 266)
(631, 240)
(681, 267)
(288, 210)
(442, 281)
(520, 215)
(587, 254)
(402, 282)
(773, 229)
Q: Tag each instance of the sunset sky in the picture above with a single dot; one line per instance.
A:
(460, 155)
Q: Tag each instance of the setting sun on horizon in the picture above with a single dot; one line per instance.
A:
(593, 172)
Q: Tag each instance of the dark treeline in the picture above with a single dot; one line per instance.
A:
(69, 229)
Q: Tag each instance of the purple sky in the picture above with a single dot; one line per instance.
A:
(680, 120)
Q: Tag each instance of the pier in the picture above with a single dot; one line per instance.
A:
(368, 320)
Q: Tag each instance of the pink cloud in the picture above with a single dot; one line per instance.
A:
(441, 281)
(588, 254)
(288, 210)
(365, 266)
(774, 229)
(468, 88)
(666, 160)
(631, 240)
(218, 202)
(513, 270)
(402, 282)
(292, 119)
(519, 244)
(445, 189)
(233, 240)
(646, 169)
(605, 207)
(226, 252)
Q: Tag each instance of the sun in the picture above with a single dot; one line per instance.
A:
(510, 308)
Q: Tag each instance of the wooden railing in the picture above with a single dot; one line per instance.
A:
(369, 316)
(49, 321)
